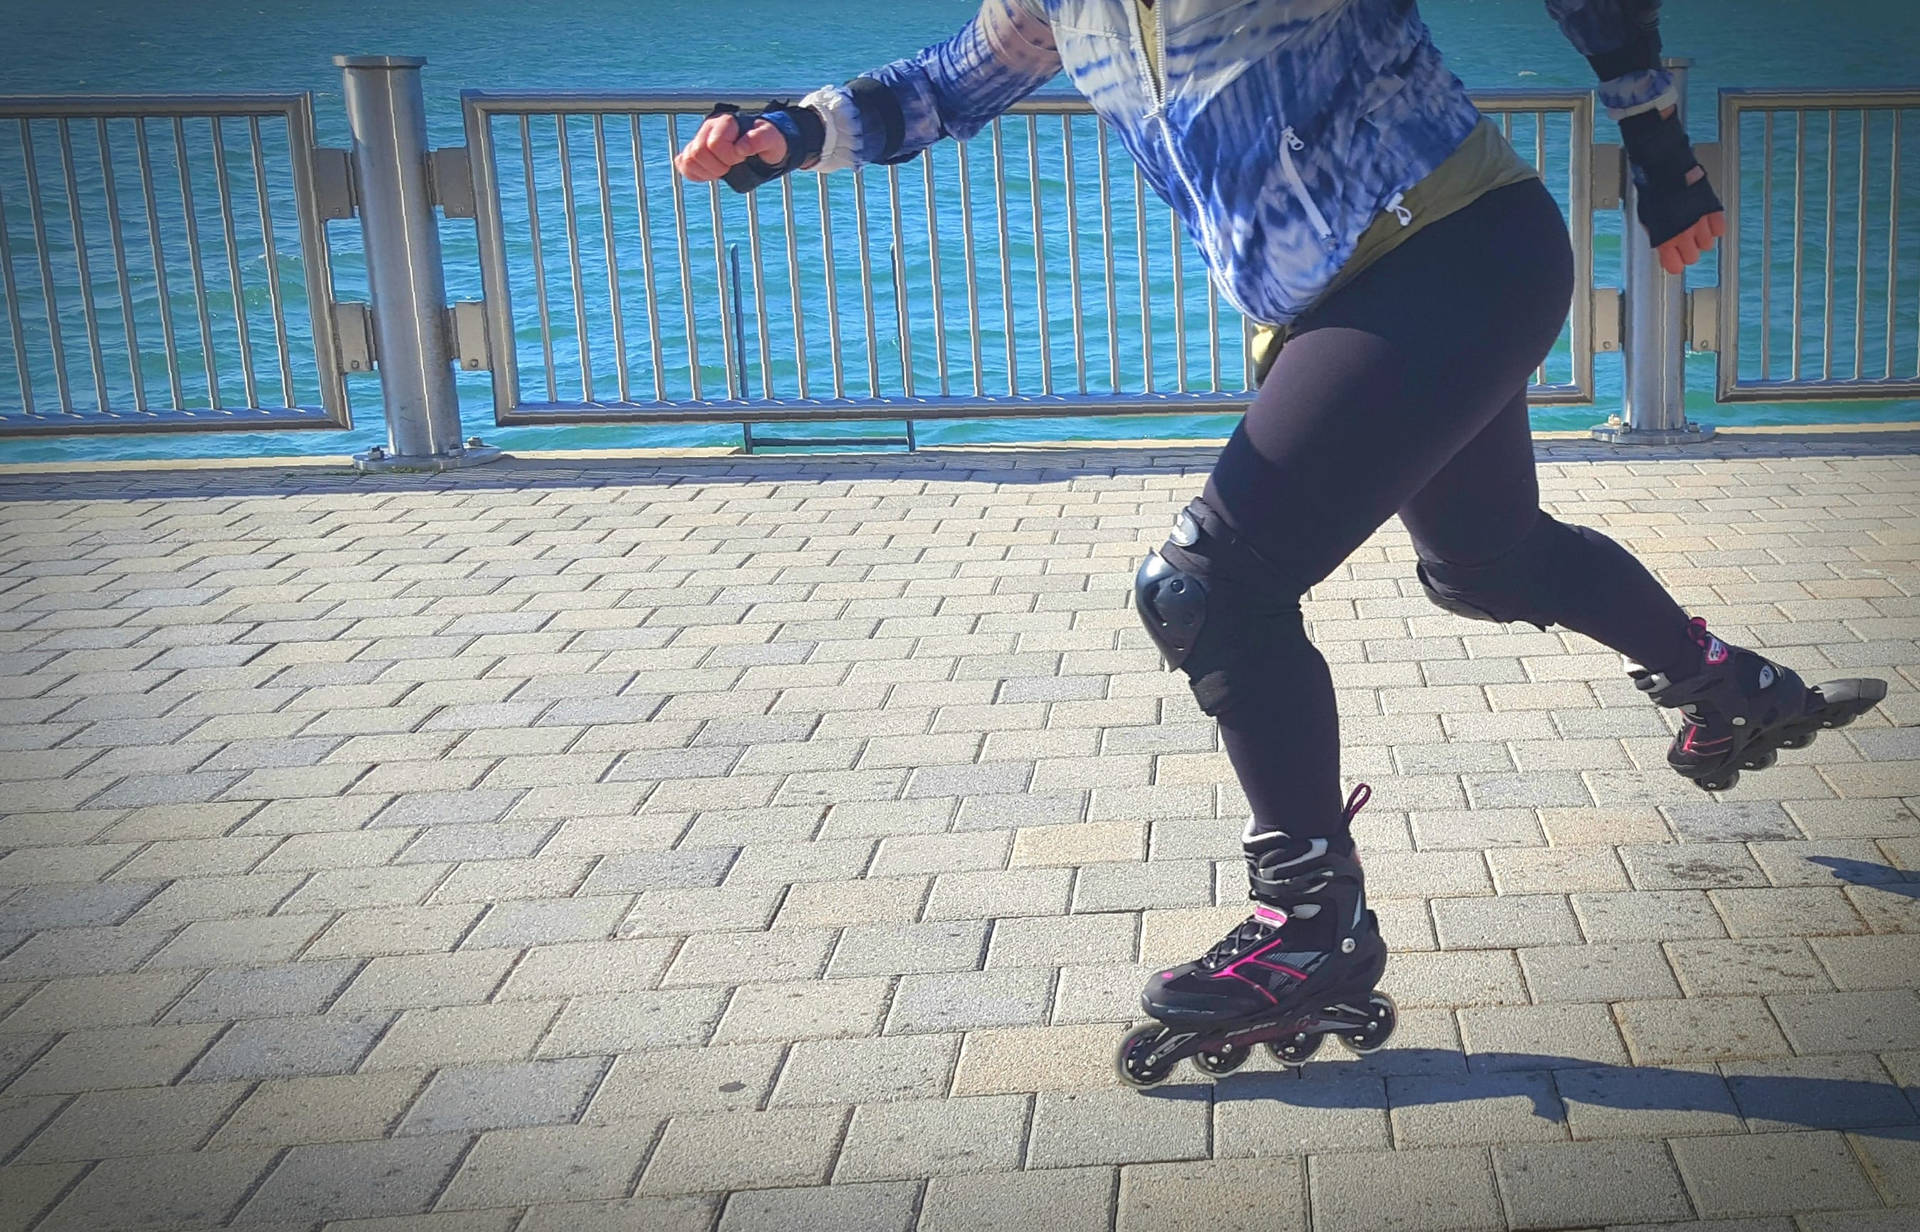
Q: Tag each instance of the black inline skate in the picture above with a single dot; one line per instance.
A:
(1740, 709)
(1303, 966)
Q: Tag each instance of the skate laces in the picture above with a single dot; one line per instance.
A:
(1258, 928)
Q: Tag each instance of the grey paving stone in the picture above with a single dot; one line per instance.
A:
(553, 1163)
(1849, 1021)
(591, 1026)
(1399, 1191)
(1061, 1199)
(1048, 941)
(1622, 1102)
(814, 1010)
(1892, 1160)
(866, 1071)
(157, 1120)
(634, 871)
(1534, 1037)
(336, 1108)
(1746, 965)
(886, 1207)
(745, 1150)
(1699, 1029)
(1227, 1195)
(1130, 887)
(687, 1214)
(85, 1002)
(669, 1082)
(356, 1179)
(748, 957)
(1504, 922)
(29, 1189)
(899, 949)
(1865, 963)
(999, 893)
(236, 943)
(1598, 972)
(1265, 1114)
(1562, 1185)
(1727, 821)
(37, 907)
(1800, 911)
(465, 1098)
(188, 1188)
(546, 922)
(587, 967)
(461, 1034)
(1102, 992)
(1759, 1174)
(291, 989)
(1075, 1128)
(286, 1047)
(1826, 1092)
(960, 1000)
(1692, 866)
(1876, 1220)
(914, 1138)
(416, 981)
(104, 1060)
(1648, 915)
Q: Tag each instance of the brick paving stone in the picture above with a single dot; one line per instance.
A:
(336, 1108)
(1227, 1195)
(796, 1011)
(673, 1081)
(687, 1214)
(291, 989)
(542, 922)
(235, 943)
(286, 1047)
(461, 1034)
(587, 967)
(1065, 1199)
(1528, 1037)
(1489, 1108)
(738, 958)
(864, 1071)
(1565, 1184)
(915, 1138)
(1692, 866)
(1050, 942)
(884, 1207)
(202, 1187)
(414, 981)
(112, 1059)
(1075, 1128)
(1054, 1058)
(1849, 1021)
(1802, 911)
(1746, 965)
(1654, 1101)
(1504, 922)
(828, 904)
(153, 1121)
(1760, 1173)
(81, 1002)
(899, 949)
(1865, 963)
(591, 1026)
(1649, 915)
(1264, 1114)
(27, 1190)
(356, 1179)
(999, 893)
(745, 1150)
(1439, 1189)
(462, 1099)
(962, 1000)
(1699, 1029)
(1598, 972)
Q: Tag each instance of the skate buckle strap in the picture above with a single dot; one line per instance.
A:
(1356, 802)
(1269, 915)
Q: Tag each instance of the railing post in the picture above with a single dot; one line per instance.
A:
(1654, 410)
(386, 110)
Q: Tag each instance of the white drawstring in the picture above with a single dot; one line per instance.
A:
(1400, 211)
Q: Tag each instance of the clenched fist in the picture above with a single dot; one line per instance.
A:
(718, 148)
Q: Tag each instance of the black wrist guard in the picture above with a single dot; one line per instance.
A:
(1662, 158)
(805, 131)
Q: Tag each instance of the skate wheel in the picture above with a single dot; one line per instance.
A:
(1797, 742)
(1295, 1050)
(1135, 1062)
(1722, 781)
(1382, 1016)
(1759, 761)
(1223, 1060)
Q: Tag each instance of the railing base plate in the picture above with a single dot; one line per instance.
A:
(379, 461)
(1624, 434)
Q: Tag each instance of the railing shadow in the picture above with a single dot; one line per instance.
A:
(1864, 873)
(1412, 1077)
(1021, 466)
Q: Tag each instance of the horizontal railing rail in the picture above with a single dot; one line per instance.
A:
(1819, 293)
(164, 265)
(1027, 272)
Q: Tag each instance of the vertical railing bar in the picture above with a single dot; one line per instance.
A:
(899, 275)
(1799, 209)
(151, 196)
(1766, 242)
(755, 259)
(833, 290)
(87, 309)
(686, 261)
(1073, 256)
(646, 261)
(730, 299)
(1540, 163)
(731, 340)
(861, 229)
(575, 273)
(1833, 210)
(194, 261)
(539, 261)
(1893, 245)
(622, 376)
(1213, 337)
(1106, 260)
(46, 271)
(224, 189)
(973, 271)
(793, 284)
(1006, 255)
(1039, 253)
(1146, 292)
(1179, 306)
(933, 263)
(283, 345)
(1246, 353)
(14, 323)
(120, 265)
(1860, 258)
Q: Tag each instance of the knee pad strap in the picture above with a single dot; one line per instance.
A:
(1515, 586)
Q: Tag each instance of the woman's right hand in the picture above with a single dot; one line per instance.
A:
(718, 148)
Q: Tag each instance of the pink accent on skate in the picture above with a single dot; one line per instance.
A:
(1357, 801)
(1253, 984)
(1231, 970)
(1714, 648)
(1269, 915)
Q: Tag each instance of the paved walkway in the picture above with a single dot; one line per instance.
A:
(780, 844)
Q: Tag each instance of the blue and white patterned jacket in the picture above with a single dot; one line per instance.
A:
(1283, 128)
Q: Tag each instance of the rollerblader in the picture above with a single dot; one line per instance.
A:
(1346, 193)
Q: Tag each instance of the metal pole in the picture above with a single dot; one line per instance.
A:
(1654, 410)
(386, 110)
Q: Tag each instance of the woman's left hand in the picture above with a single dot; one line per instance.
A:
(1685, 248)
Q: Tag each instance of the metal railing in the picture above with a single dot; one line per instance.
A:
(164, 263)
(1060, 285)
(1819, 293)
(175, 273)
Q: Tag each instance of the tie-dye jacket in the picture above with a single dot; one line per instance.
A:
(1282, 129)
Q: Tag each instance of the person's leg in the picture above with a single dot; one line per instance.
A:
(1367, 402)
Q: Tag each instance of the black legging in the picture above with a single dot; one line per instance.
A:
(1406, 392)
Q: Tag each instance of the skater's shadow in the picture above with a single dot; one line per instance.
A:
(1593, 1099)
(1862, 873)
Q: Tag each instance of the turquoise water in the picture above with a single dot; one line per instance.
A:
(597, 45)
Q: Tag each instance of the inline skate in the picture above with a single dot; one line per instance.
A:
(1302, 967)
(1740, 709)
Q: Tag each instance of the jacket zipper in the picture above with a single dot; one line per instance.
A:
(1156, 87)
(1289, 142)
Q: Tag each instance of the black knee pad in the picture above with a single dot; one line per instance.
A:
(1518, 586)
(1215, 610)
